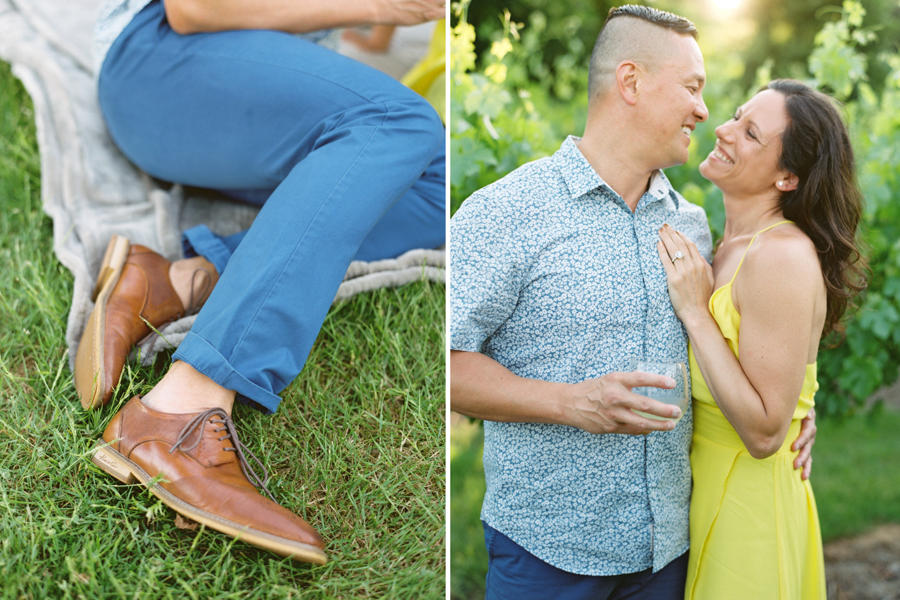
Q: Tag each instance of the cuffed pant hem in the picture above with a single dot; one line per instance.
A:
(200, 241)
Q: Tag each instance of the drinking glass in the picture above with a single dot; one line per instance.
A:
(677, 396)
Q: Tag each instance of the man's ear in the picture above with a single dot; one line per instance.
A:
(628, 79)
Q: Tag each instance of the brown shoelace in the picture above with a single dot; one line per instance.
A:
(194, 305)
(239, 448)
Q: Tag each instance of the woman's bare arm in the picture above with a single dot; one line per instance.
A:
(777, 291)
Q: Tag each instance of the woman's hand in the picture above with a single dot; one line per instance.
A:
(689, 276)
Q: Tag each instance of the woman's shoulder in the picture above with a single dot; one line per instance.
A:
(782, 256)
(785, 244)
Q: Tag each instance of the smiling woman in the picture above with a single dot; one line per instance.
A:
(747, 154)
(782, 276)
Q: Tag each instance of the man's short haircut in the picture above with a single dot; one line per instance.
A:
(631, 32)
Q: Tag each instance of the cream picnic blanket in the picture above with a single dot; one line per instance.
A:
(91, 191)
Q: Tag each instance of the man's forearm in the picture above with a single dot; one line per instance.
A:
(481, 387)
(195, 16)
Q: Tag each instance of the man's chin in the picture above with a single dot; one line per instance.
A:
(675, 161)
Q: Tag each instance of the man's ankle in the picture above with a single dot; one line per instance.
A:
(184, 390)
(193, 280)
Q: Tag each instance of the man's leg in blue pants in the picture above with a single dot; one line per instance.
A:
(352, 160)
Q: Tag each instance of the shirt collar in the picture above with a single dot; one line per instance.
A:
(581, 178)
(660, 188)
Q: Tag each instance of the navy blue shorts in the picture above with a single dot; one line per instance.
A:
(516, 574)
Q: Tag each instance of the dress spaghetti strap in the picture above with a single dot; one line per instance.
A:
(753, 239)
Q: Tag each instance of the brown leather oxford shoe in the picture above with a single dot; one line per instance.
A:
(204, 476)
(133, 289)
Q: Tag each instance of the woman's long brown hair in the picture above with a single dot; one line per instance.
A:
(827, 203)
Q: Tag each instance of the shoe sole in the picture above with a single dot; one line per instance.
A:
(89, 373)
(115, 464)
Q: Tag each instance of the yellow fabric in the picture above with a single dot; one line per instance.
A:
(754, 525)
(427, 76)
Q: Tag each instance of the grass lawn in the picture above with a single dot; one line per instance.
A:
(357, 448)
(854, 477)
(854, 480)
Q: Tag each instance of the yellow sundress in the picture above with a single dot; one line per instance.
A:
(754, 526)
(427, 77)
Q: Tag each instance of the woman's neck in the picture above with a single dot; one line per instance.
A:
(748, 215)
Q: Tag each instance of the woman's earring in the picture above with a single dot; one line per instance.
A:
(780, 184)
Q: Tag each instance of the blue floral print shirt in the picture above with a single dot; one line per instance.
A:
(554, 277)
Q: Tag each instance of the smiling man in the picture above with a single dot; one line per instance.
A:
(555, 284)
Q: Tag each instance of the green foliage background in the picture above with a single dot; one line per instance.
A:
(519, 87)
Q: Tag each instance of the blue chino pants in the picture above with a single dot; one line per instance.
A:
(348, 162)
